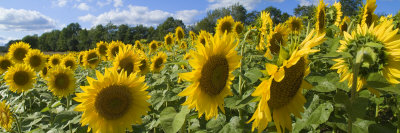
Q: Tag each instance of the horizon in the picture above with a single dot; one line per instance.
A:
(43, 16)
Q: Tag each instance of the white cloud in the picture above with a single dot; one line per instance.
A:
(24, 20)
(60, 3)
(117, 3)
(135, 15)
(187, 16)
(82, 6)
(4, 40)
(313, 2)
(248, 4)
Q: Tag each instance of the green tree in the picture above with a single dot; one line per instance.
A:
(163, 29)
(308, 11)
(32, 40)
(350, 7)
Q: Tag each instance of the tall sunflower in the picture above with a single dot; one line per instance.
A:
(61, 81)
(18, 51)
(127, 59)
(225, 24)
(144, 63)
(192, 35)
(43, 72)
(168, 39)
(113, 48)
(338, 13)
(266, 27)
(179, 33)
(102, 47)
(5, 63)
(80, 57)
(153, 46)
(320, 16)
(295, 24)
(91, 59)
(6, 117)
(55, 60)
(20, 78)
(113, 102)
(238, 27)
(212, 75)
(280, 94)
(380, 42)
(368, 16)
(69, 61)
(138, 45)
(35, 59)
(203, 37)
(158, 62)
(183, 45)
(276, 39)
(344, 24)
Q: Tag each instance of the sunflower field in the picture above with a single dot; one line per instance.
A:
(326, 74)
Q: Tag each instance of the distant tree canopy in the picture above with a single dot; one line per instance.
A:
(74, 38)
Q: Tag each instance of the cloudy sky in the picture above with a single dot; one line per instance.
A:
(26, 17)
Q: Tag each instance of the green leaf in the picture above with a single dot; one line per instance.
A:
(320, 115)
(216, 124)
(373, 44)
(361, 126)
(166, 119)
(253, 75)
(233, 126)
(179, 119)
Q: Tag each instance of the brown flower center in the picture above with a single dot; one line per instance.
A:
(214, 75)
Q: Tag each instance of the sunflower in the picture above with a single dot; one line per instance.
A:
(144, 63)
(295, 24)
(344, 24)
(368, 16)
(55, 60)
(153, 46)
(113, 102)
(102, 48)
(225, 24)
(212, 75)
(113, 48)
(339, 13)
(138, 45)
(192, 35)
(61, 81)
(18, 51)
(320, 16)
(35, 59)
(187, 56)
(203, 37)
(158, 62)
(43, 72)
(238, 27)
(20, 78)
(276, 39)
(183, 45)
(179, 33)
(168, 39)
(266, 27)
(5, 63)
(80, 57)
(91, 59)
(280, 94)
(384, 52)
(127, 60)
(69, 61)
(6, 117)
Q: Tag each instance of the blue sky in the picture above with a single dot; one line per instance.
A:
(26, 17)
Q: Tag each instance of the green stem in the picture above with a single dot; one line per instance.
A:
(68, 105)
(356, 67)
(18, 124)
(308, 27)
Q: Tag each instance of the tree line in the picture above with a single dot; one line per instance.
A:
(75, 38)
